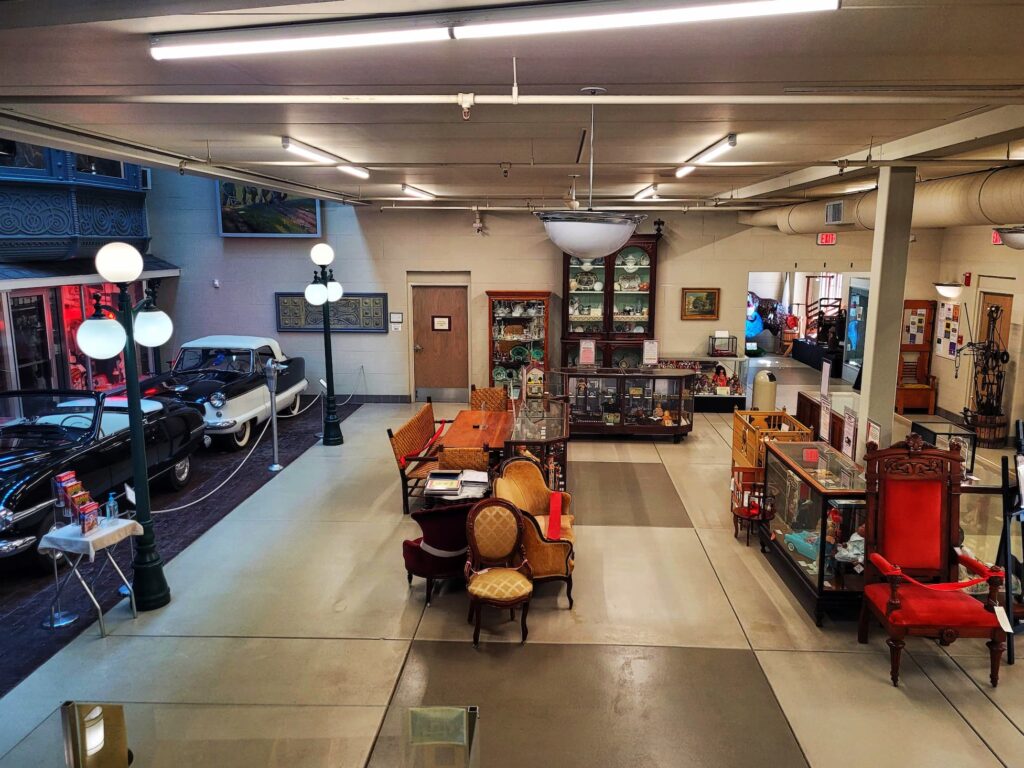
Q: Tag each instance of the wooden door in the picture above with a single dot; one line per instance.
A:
(440, 332)
(1005, 302)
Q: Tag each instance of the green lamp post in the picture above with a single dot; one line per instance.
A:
(102, 338)
(324, 291)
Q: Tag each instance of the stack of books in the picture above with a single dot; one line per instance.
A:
(457, 484)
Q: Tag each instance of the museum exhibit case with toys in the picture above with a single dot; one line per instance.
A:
(719, 384)
(615, 401)
(808, 411)
(540, 431)
(519, 335)
(813, 528)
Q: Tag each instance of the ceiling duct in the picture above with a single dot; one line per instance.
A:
(987, 198)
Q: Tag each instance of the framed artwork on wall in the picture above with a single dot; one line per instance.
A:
(700, 303)
(352, 313)
(245, 210)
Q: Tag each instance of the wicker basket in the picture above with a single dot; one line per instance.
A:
(751, 429)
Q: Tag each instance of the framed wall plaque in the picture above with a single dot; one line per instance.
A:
(352, 313)
(700, 303)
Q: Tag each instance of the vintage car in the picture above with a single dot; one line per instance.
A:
(226, 378)
(46, 432)
(804, 543)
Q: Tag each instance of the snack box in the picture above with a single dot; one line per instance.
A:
(89, 516)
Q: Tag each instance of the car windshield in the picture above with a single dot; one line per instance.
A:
(29, 418)
(214, 358)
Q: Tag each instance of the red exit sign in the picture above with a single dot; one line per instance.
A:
(996, 239)
(827, 238)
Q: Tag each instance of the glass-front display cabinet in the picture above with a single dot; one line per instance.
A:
(942, 433)
(634, 401)
(519, 335)
(808, 411)
(814, 533)
(540, 430)
(720, 385)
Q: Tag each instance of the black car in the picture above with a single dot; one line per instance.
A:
(44, 433)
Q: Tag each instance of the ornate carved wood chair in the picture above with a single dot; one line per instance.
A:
(497, 572)
(488, 398)
(913, 525)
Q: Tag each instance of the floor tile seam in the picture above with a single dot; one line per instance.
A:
(114, 634)
(984, 691)
(577, 644)
(956, 709)
(764, 675)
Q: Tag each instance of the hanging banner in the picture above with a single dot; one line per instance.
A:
(947, 329)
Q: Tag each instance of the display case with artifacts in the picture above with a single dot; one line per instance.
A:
(519, 335)
(720, 385)
(816, 533)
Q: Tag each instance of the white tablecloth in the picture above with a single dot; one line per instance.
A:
(106, 534)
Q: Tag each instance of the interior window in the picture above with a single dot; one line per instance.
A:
(99, 166)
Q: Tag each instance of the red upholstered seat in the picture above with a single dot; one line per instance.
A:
(920, 606)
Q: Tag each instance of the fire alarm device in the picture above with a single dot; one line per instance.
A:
(967, 278)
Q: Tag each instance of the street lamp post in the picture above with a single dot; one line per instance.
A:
(102, 338)
(324, 291)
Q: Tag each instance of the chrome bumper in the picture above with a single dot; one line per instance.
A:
(11, 547)
(227, 425)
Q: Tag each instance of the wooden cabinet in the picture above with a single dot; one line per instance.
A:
(518, 333)
(611, 299)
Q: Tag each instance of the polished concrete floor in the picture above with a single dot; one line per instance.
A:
(294, 640)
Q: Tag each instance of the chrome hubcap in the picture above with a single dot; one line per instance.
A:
(181, 470)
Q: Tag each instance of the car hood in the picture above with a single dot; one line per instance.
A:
(195, 385)
(18, 465)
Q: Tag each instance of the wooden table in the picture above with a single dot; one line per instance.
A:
(475, 429)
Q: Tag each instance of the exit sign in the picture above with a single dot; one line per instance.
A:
(996, 239)
(827, 238)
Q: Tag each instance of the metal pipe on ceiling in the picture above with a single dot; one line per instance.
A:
(530, 208)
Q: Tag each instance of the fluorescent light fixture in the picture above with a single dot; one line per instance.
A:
(355, 170)
(716, 150)
(422, 194)
(592, 22)
(647, 192)
(575, 17)
(308, 152)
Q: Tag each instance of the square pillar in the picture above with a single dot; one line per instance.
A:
(889, 251)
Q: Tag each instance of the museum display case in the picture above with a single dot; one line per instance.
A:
(808, 411)
(616, 401)
(753, 430)
(940, 432)
(540, 430)
(720, 385)
(519, 323)
(814, 528)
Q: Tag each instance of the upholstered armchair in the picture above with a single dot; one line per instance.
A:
(913, 525)
(488, 398)
(548, 536)
(497, 570)
(440, 553)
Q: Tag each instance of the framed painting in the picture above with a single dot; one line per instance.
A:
(352, 313)
(249, 211)
(700, 303)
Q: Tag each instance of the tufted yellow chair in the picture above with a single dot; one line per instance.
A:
(522, 484)
(497, 571)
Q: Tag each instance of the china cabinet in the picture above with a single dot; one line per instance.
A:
(519, 333)
(814, 524)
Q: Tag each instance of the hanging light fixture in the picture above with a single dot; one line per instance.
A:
(1012, 237)
(590, 234)
(949, 290)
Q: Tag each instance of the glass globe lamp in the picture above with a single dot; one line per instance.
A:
(334, 291)
(322, 254)
(101, 338)
(153, 327)
(119, 263)
(316, 294)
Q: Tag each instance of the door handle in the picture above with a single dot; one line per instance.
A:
(417, 348)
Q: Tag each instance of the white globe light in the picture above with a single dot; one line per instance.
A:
(322, 254)
(153, 327)
(334, 290)
(119, 263)
(589, 234)
(101, 338)
(316, 294)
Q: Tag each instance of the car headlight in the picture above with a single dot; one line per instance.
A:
(217, 400)
(6, 519)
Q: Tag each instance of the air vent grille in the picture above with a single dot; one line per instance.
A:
(834, 212)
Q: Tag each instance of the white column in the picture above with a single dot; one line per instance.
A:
(885, 307)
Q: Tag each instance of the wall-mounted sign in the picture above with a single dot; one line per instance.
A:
(587, 351)
(441, 322)
(849, 431)
(826, 375)
(827, 238)
(825, 419)
(650, 352)
(996, 238)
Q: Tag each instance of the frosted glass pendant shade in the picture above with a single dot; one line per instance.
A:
(1012, 237)
(334, 291)
(153, 327)
(101, 338)
(119, 263)
(589, 234)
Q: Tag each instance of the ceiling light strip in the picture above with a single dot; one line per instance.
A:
(590, 16)
(317, 155)
(707, 155)
(416, 192)
(650, 191)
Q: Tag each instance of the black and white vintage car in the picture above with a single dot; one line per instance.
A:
(226, 377)
(47, 432)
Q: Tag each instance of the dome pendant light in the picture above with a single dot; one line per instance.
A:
(1012, 237)
(590, 234)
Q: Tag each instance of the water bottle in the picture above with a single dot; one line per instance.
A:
(110, 508)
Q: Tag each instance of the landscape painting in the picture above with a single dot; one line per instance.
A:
(250, 211)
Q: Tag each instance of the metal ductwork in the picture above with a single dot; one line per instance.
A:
(987, 198)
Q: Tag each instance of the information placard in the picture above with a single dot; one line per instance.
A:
(825, 419)
(587, 351)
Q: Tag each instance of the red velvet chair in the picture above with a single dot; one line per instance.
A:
(440, 553)
(913, 525)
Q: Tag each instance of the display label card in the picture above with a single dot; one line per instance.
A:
(587, 352)
(874, 432)
(825, 418)
(826, 374)
(650, 352)
(849, 431)
(1004, 620)
(722, 334)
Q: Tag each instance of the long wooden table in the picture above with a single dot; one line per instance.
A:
(475, 429)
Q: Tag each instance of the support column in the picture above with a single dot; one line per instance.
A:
(889, 252)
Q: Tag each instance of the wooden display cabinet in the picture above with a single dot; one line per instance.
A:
(518, 333)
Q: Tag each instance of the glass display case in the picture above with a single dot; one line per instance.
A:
(808, 411)
(540, 430)
(856, 328)
(631, 401)
(632, 313)
(519, 334)
(815, 525)
(940, 432)
(720, 383)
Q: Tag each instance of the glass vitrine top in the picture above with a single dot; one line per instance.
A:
(821, 466)
(539, 421)
(943, 427)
